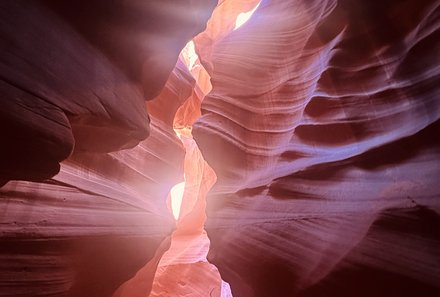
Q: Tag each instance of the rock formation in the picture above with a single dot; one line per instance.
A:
(322, 127)
(320, 120)
(77, 74)
(92, 226)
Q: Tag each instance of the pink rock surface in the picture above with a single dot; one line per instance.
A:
(76, 75)
(195, 279)
(321, 127)
(320, 120)
(183, 269)
(94, 225)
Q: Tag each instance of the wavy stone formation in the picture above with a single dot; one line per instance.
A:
(320, 120)
(103, 216)
(322, 127)
(77, 74)
(93, 225)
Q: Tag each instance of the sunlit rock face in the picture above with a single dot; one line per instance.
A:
(76, 75)
(319, 119)
(96, 223)
(103, 216)
(322, 127)
(183, 270)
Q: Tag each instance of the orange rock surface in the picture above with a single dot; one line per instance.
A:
(302, 136)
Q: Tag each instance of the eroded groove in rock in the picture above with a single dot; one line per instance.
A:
(103, 216)
(319, 125)
(93, 225)
(76, 75)
(183, 269)
(320, 119)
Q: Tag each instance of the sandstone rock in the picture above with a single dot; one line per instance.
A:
(74, 78)
(321, 129)
(320, 120)
(75, 75)
(94, 225)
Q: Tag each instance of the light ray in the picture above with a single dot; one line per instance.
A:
(243, 17)
(176, 194)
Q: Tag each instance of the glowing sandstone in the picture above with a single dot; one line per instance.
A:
(322, 127)
(77, 76)
(183, 269)
(320, 121)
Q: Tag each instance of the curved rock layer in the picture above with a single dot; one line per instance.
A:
(321, 124)
(183, 269)
(92, 226)
(76, 75)
(322, 127)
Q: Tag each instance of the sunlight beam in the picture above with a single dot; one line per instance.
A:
(243, 17)
(176, 194)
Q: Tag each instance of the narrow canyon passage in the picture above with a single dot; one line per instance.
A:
(183, 268)
(201, 148)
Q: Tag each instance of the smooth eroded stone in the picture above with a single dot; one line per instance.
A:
(75, 76)
(321, 127)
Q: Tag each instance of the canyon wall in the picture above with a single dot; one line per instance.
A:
(320, 122)
(76, 75)
(322, 127)
(74, 79)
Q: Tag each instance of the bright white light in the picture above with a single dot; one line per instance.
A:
(176, 194)
(244, 17)
(190, 55)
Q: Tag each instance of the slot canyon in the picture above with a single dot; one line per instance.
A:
(220, 148)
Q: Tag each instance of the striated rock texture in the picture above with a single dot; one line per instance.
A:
(183, 269)
(92, 226)
(103, 216)
(322, 127)
(75, 74)
(321, 122)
